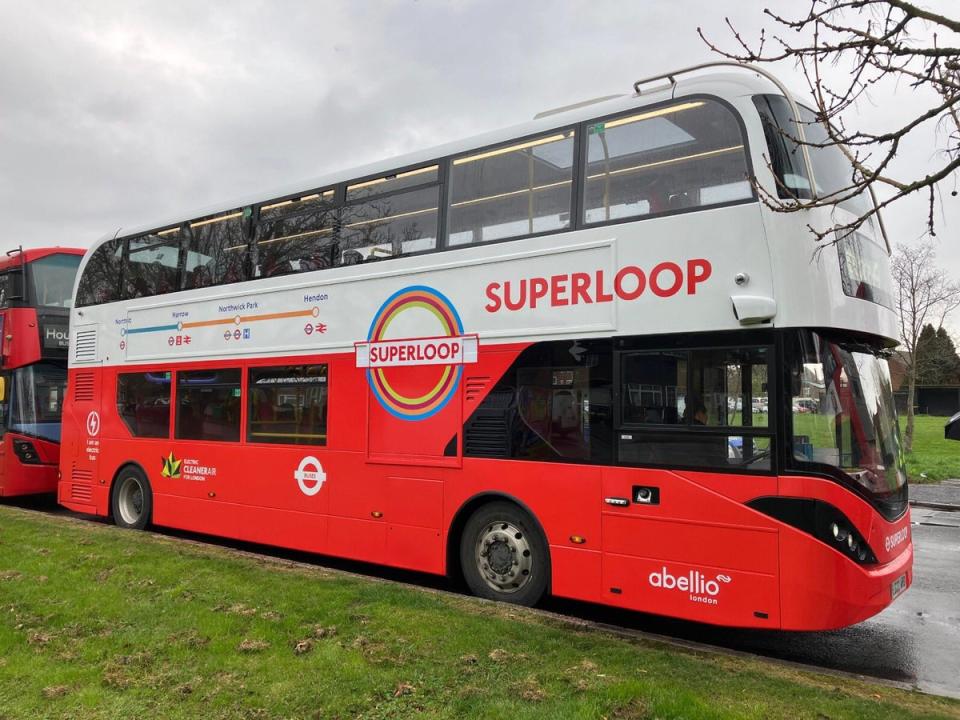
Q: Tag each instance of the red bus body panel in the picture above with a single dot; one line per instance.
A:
(17, 478)
(393, 493)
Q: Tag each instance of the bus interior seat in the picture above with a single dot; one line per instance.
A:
(351, 257)
(318, 261)
(652, 415)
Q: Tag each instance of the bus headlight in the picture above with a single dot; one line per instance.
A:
(821, 520)
(26, 452)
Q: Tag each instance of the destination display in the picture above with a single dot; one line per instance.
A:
(55, 336)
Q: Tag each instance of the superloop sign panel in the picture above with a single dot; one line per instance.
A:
(413, 378)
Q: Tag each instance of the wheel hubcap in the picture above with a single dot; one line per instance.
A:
(504, 557)
(130, 500)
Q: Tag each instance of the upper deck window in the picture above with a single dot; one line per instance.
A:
(832, 171)
(218, 250)
(681, 156)
(389, 226)
(784, 155)
(51, 280)
(515, 190)
(100, 282)
(296, 235)
(152, 265)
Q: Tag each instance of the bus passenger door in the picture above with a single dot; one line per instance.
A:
(393, 507)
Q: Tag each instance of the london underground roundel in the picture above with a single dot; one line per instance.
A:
(415, 352)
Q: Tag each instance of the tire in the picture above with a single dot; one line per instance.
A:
(131, 499)
(504, 555)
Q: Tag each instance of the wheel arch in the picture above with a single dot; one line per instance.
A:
(459, 521)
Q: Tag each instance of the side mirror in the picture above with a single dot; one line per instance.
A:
(951, 431)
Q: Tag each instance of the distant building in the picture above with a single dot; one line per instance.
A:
(941, 400)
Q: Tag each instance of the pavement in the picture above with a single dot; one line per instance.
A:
(936, 496)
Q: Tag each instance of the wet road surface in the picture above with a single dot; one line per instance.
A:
(915, 641)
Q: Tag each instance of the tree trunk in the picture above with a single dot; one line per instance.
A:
(911, 394)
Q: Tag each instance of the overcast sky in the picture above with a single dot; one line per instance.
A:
(116, 114)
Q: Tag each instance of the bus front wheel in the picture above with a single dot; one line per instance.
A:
(131, 501)
(504, 555)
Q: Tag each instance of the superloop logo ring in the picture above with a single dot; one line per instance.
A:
(400, 404)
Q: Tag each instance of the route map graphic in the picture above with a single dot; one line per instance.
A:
(235, 320)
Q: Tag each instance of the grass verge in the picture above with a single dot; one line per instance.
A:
(933, 459)
(96, 622)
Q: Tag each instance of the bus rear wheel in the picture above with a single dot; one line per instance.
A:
(504, 555)
(131, 501)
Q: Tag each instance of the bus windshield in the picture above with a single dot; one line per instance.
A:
(36, 400)
(843, 416)
(51, 283)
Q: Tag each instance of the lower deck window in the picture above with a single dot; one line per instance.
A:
(288, 404)
(553, 404)
(143, 401)
(208, 405)
(695, 408)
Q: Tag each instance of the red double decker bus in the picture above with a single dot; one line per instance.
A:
(577, 356)
(36, 291)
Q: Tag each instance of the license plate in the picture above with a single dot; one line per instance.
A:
(899, 585)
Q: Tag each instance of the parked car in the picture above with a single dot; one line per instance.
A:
(806, 405)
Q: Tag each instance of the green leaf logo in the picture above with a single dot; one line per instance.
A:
(171, 466)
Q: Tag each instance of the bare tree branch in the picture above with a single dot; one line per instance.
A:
(875, 41)
(912, 10)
